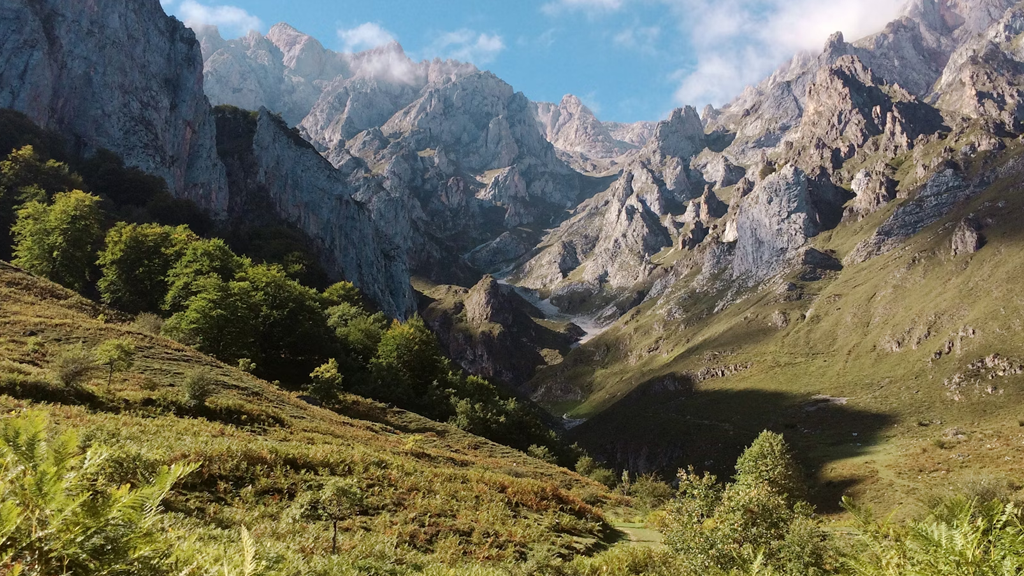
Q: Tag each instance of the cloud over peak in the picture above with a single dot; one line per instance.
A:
(467, 46)
(364, 37)
(231, 20)
(722, 46)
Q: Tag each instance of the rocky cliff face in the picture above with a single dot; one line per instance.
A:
(572, 127)
(491, 331)
(66, 66)
(608, 242)
(342, 211)
(456, 147)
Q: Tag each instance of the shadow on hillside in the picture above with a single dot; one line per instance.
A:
(666, 424)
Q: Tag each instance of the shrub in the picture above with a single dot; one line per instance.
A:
(117, 354)
(542, 453)
(34, 345)
(148, 323)
(649, 493)
(198, 388)
(246, 365)
(72, 366)
(326, 382)
(587, 466)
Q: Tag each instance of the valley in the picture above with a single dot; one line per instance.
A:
(512, 338)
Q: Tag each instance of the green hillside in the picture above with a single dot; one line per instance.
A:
(434, 494)
(892, 379)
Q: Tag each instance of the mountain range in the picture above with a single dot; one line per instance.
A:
(834, 252)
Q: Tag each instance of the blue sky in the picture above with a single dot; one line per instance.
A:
(629, 60)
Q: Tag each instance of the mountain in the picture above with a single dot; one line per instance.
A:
(831, 254)
(826, 264)
(459, 150)
(150, 109)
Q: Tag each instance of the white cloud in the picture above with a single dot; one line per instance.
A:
(542, 42)
(739, 42)
(730, 44)
(468, 46)
(644, 39)
(589, 6)
(231, 20)
(364, 37)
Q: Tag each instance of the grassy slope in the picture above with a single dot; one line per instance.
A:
(900, 432)
(432, 489)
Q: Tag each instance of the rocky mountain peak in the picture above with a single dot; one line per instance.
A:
(681, 136)
(835, 46)
(572, 127)
(303, 54)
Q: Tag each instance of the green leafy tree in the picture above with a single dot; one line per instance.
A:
(338, 500)
(293, 333)
(117, 354)
(343, 293)
(136, 261)
(58, 241)
(359, 332)
(27, 177)
(770, 461)
(753, 522)
(262, 315)
(56, 517)
(408, 362)
(326, 382)
(221, 320)
(200, 259)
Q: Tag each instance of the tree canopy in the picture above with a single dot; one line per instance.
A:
(57, 241)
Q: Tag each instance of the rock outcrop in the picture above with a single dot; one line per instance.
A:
(873, 189)
(848, 106)
(967, 238)
(773, 223)
(943, 192)
(985, 77)
(491, 331)
(361, 234)
(66, 65)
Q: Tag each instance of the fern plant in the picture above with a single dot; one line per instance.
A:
(959, 537)
(57, 519)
